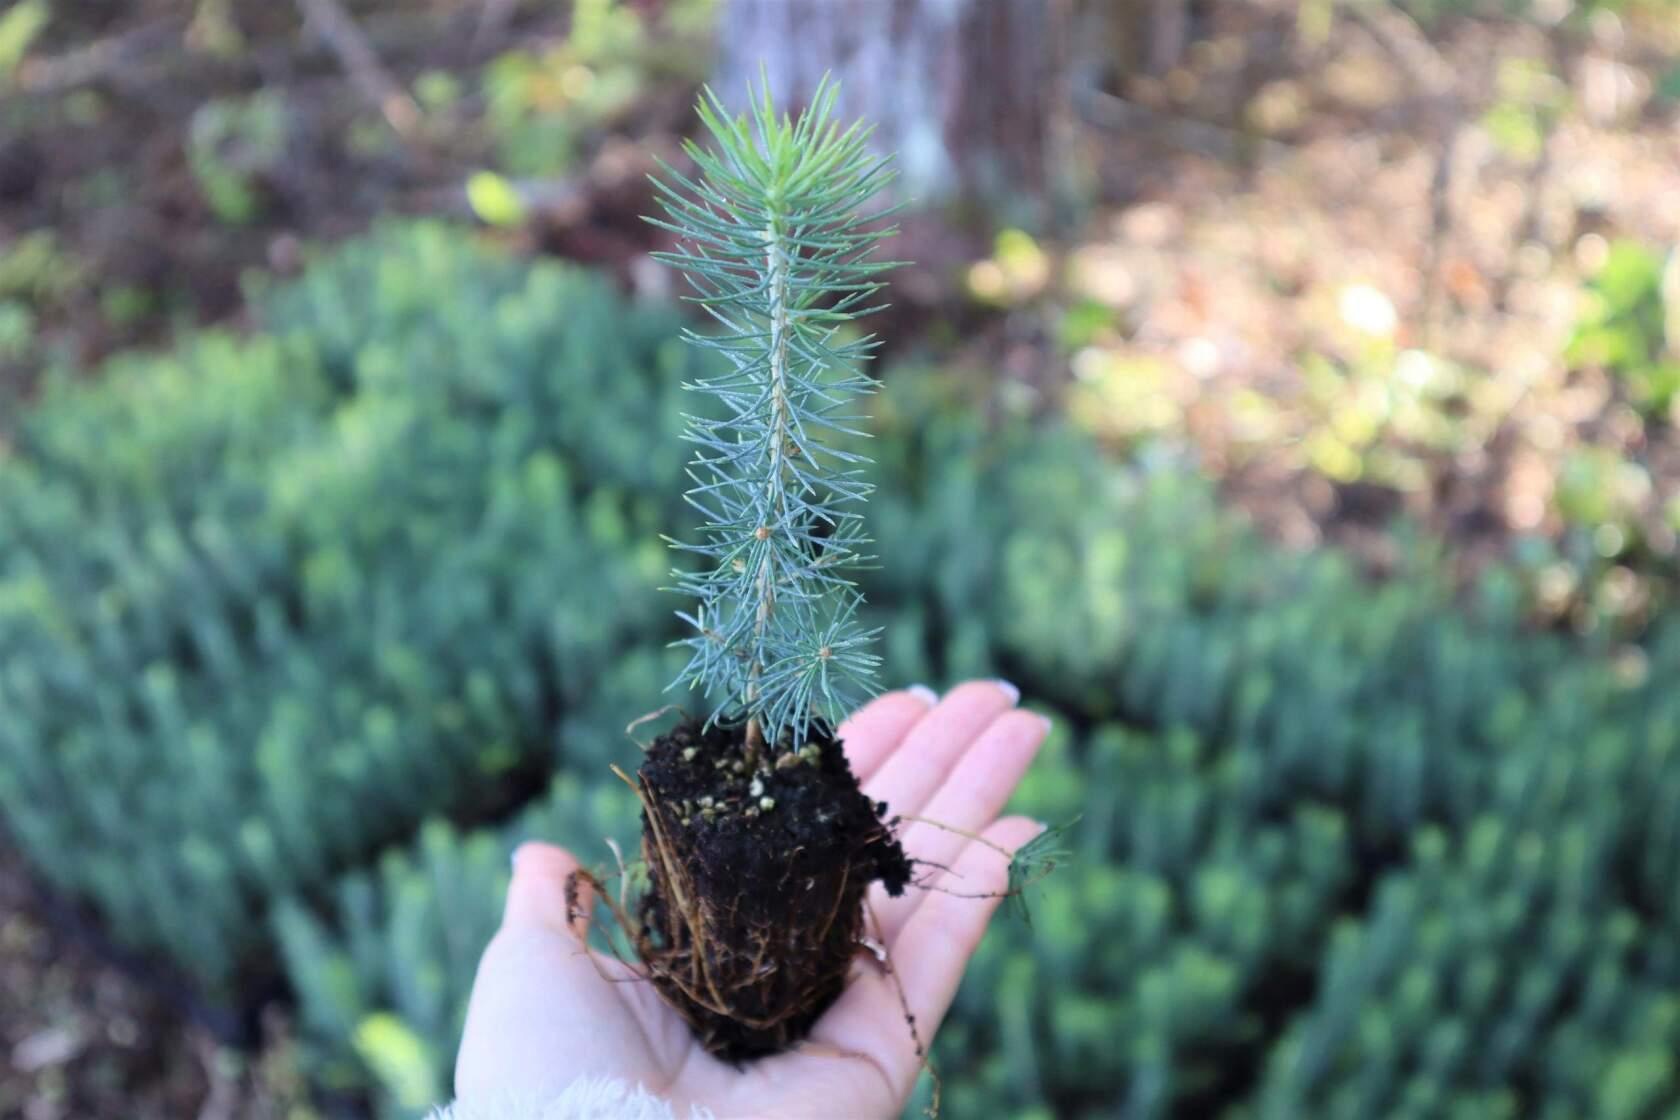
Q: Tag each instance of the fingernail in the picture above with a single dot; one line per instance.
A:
(1049, 724)
(1010, 690)
(923, 693)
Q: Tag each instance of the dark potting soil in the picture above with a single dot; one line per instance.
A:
(754, 911)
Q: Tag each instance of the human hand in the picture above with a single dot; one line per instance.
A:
(546, 1011)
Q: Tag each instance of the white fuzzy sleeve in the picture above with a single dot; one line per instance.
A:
(587, 1098)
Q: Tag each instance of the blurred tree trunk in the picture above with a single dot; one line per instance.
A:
(1157, 33)
(964, 91)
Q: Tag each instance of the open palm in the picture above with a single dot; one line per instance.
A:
(545, 1011)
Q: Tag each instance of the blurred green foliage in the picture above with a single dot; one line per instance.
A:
(1544, 12)
(1530, 102)
(20, 24)
(268, 607)
(1384, 416)
(265, 604)
(538, 100)
(17, 329)
(234, 142)
(35, 267)
(1629, 325)
(541, 103)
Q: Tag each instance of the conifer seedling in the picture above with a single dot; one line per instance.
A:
(759, 846)
(758, 842)
(775, 240)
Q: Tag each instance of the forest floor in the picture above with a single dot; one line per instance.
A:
(1392, 275)
(82, 1040)
(1389, 276)
(1346, 271)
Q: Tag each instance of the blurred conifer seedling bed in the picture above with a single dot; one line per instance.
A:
(255, 607)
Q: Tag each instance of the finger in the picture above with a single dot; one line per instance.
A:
(970, 799)
(537, 893)
(928, 961)
(874, 731)
(907, 778)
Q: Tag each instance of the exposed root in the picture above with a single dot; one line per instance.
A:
(1025, 868)
(623, 874)
(883, 956)
(709, 971)
(576, 913)
(630, 728)
(963, 832)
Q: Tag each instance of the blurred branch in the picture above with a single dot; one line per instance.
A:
(1440, 226)
(1432, 77)
(1531, 229)
(45, 77)
(359, 60)
(1399, 35)
(134, 59)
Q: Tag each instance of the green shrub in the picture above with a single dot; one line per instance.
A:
(1155, 955)
(266, 605)
(1626, 327)
(426, 310)
(1422, 1011)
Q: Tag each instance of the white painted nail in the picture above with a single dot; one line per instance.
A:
(923, 693)
(1049, 724)
(1010, 690)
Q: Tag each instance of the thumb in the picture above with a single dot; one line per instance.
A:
(541, 1013)
(546, 890)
